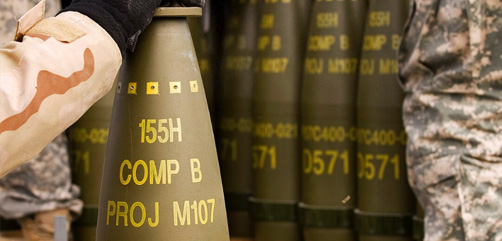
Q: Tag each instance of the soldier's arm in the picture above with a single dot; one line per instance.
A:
(62, 66)
(59, 67)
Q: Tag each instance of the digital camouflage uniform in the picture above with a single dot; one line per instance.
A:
(451, 70)
(44, 183)
(40, 98)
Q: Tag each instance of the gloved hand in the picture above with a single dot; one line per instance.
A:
(124, 20)
(194, 3)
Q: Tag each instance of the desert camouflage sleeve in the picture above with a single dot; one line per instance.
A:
(48, 81)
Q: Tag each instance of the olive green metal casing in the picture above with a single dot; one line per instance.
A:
(235, 114)
(328, 133)
(161, 177)
(205, 56)
(87, 139)
(276, 99)
(385, 201)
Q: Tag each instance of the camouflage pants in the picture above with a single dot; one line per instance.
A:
(467, 206)
(42, 184)
(450, 67)
(459, 184)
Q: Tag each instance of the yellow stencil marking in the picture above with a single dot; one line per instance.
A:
(132, 88)
(175, 87)
(152, 88)
(194, 87)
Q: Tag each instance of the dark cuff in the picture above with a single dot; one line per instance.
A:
(103, 16)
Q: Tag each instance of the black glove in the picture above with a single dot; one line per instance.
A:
(193, 3)
(124, 20)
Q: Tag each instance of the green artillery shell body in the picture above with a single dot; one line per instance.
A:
(276, 99)
(161, 177)
(87, 138)
(235, 114)
(384, 195)
(205, 56)
(328, 133)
